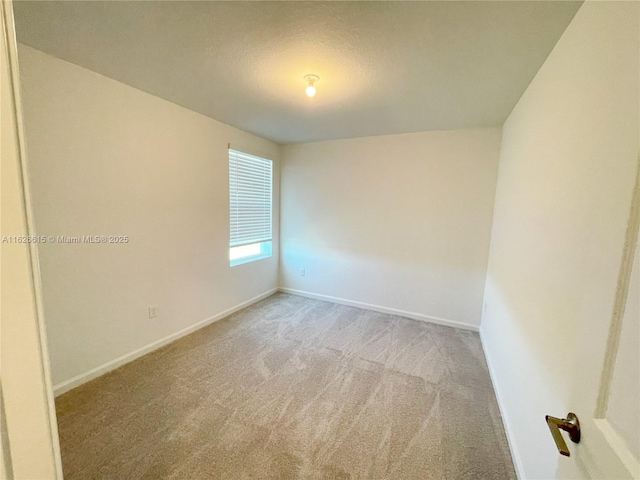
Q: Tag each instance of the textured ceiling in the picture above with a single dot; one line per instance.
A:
(384, 67)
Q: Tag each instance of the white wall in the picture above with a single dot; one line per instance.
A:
(567, 168)
(400, 221)
(107, 159)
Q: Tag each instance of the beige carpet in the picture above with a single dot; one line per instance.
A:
(293, 388)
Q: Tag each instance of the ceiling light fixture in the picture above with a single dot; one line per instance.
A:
(311, 80)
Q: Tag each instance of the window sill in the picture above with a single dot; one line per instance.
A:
(242, 261)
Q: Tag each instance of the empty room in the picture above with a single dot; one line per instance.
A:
(320, 240)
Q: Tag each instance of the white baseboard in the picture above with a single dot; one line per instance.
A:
(78, 380)
(378, 308)
(517, 463)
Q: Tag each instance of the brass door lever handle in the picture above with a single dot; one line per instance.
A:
(570, 425)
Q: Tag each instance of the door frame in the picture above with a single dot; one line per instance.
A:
(43, 447)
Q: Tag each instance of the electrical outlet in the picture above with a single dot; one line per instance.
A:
(153, 311)
(302, 272)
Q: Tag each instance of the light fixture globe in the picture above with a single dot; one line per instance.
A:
(311, 80)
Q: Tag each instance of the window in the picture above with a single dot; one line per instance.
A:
(250, 212)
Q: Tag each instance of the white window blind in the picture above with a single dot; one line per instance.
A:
(250, 186)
